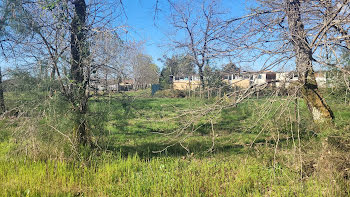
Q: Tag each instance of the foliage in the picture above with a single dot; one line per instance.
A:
(213, 77)
(144, 70)
(133, 176)
(176, 66)
(230, 68)
(129, 128)
(20, 80)
(238, 172)
(169, 93)
(73, 143)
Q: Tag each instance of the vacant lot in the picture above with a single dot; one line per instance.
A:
(144, 147)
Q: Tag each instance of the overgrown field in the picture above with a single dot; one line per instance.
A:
(142, 147)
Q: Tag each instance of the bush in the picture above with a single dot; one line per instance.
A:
(169, 93)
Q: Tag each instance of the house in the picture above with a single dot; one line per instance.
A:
(185, 82)
(101, 85)
(126, 85)
(259, 78)
(284, 79)
(245, 79)
(321, 78)
(237, 79)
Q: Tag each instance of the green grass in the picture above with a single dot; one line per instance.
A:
(132, 176)
(35, 160)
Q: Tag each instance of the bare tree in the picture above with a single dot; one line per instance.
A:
(202, 24)
(178, 65)
(2, 24)
(112, 59)
(115, 60)
(277, 32)
(6, 19)
(2, 101)
(145, 72)
(303, 58)
(48, 24)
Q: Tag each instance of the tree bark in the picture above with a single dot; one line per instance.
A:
(79, 52)
(53, 73)
(52, 79)
(201, 76)
(317, 106)
(2, 101)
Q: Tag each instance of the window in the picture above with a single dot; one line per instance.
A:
(259, 76)
(270, 76)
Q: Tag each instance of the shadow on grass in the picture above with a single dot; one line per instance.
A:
(148, 145)
(149, 150)
(131, 133)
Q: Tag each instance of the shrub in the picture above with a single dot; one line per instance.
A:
(169, 93)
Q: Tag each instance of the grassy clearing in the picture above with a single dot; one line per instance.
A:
(35, 158)
(132, 176)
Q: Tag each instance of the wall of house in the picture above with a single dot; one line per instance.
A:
(245, 80)
(285, 79)
(242, 83)
(185, 85)
(259, 79)
(321, 82)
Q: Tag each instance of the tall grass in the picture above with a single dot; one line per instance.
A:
(132, 176)
(36, 158)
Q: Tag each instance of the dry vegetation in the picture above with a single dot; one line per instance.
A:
(260, 149)
(69, 126)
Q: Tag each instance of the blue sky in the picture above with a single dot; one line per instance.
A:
(143, 27)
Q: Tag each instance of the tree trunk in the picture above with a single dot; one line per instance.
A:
(79, 52)
(2, 101)
(53, 73)
(52, 79)
(201, 76)
(106, 83)
(318, 108)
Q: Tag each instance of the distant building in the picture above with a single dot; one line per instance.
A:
(284, 79)
(126, 85)
(185, 83)
(102, 85)
(259, 78)
(237, 79)
(245, 79)
(321, 79)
